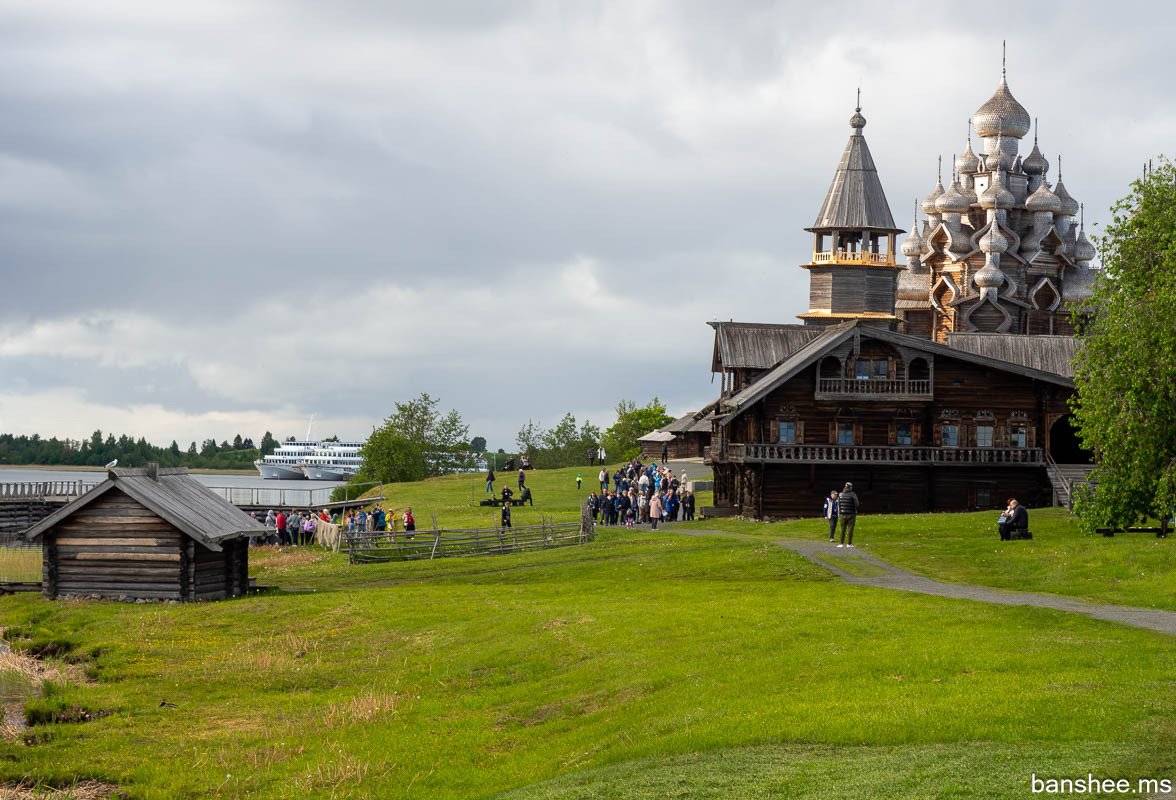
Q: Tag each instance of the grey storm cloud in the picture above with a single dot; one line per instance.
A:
(226, 214)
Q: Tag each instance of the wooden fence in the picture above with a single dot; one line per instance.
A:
(376, 546)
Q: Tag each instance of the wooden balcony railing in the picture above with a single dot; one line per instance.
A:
(877, 388)
(862, 454)
(847, 257)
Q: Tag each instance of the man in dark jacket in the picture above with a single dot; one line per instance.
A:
(688, 506)
(1016, 521)
(848, 506)
(506, 514)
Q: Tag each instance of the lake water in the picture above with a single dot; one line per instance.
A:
(8, 475)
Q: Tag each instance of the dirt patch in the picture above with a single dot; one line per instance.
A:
(83, 790)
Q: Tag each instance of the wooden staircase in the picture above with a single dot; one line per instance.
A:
(1065, 478)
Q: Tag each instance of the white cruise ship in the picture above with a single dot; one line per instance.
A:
(320, 461)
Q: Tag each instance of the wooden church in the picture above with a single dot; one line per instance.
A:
(152, 534)
(940, 384)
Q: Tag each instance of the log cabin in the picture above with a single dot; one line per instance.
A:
(152, 534)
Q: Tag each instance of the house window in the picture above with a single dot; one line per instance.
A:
(950, 436)
(845, 432)
(984, 436)
(787, 431)
(983, 497)
(902, 433)
(1018, 436)
(861, 370)
(880, 370)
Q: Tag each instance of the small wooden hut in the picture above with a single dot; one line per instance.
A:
(149, 533)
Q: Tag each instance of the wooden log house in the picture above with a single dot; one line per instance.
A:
(151, 533)
(914, 425)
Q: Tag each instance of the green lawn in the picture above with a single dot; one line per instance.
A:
(1128, 569)
(642, 665)
(454, 498)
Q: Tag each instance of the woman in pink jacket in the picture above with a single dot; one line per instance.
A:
(655, 510)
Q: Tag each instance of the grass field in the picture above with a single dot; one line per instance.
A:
(643, 665)
(1128, 569)
(454, 498)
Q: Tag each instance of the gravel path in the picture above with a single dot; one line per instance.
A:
(828, 555)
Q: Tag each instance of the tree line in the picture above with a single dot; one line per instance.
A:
(100, 450)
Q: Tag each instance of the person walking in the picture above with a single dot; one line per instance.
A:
(603, 478)
(490, 480)
(280, 523)
(506, 515)
(831, 514)
(579, 480)
(522, 478)
(848, 506)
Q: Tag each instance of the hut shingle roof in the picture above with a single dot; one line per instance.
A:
(1047, 353)
(175, 496)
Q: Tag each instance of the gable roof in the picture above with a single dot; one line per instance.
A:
(1049, 353)
(855, 198)
(175, 496)
(756, 345)
(834, 335)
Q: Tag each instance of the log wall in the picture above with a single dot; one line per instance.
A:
(116, 548)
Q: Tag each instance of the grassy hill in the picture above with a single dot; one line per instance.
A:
(454, 498)
(640, 666)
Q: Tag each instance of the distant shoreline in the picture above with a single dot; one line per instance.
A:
(75, 468)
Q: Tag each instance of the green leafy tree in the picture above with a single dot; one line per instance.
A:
(1125, 371)
(478, 444)
(416, 441)
(620, 440)
(268, 444)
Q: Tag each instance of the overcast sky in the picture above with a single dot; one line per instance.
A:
(222, 217)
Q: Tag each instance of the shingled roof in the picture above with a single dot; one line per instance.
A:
(855, 199)
(833, 335)
(1048, 353)
(755, 345)
(175, 496)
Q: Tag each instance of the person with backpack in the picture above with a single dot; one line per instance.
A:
(522, 479)
(848, 506)
(831, 514)
(655, 510)
(506, 515)
(490, 480)
(409, 522)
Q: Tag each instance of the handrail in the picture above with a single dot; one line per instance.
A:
(888, 454)
(850, 257)
(875, 386)
(40, 490)
(1052, 467)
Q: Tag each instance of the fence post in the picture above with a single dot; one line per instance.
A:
(436, 543)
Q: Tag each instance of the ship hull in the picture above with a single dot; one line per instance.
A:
(278, 472)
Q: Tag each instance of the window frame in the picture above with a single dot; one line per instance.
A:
(989, 429)
(842, 429)
(955, 434)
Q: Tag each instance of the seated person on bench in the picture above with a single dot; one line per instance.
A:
(1014, 522)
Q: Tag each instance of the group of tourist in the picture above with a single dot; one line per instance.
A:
(297, 528)
(641, 494)
(289, 528)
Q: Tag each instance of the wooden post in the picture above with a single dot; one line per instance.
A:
(436, 544)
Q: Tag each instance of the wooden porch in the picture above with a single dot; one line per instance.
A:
(862, 454)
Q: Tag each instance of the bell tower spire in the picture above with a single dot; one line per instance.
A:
(853, 271)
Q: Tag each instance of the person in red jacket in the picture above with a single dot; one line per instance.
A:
(281, 528)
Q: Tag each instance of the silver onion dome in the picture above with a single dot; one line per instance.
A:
(993, 241)
(967, 163)
(1069, 204)
(1083, 249)
(912, 246)
(1001, 115)
(1043, 200)
(1000, 159)
(857, 121)
(936, 193)
(953, 200)
(996, 195)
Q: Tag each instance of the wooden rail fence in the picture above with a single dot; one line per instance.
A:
(44, 490)
(378, 546)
